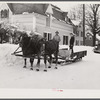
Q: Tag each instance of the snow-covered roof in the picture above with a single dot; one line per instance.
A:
(76, 22)
(28, 32)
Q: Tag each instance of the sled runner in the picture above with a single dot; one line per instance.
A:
(66, 58)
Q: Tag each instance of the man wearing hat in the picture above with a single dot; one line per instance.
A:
(57, 38)
(72, 40)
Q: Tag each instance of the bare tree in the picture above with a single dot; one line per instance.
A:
(92, 16)
(76, 12)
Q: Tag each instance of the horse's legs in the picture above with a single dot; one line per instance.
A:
(1, 39)
(50, 61)
(31, 61)
(38, 63)
(45, 61)
(56, 56)
(24, 63)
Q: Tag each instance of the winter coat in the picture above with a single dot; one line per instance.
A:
(72, 39)
(57, 38)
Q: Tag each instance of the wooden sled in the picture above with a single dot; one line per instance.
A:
(76, 56)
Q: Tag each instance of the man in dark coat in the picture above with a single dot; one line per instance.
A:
(72, 40)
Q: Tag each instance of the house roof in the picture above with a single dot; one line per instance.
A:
(76, 22)
(19, 8)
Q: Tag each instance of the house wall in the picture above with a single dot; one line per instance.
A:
(63, 28)
(79, 35)
(88, 42)
(25, 22)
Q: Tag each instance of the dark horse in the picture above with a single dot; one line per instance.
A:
(31, 47)
(36, 46)
(51, 47)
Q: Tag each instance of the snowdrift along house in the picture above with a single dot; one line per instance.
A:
(45, 19)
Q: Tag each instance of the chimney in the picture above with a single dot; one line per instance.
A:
(65, 13)
(65, 16)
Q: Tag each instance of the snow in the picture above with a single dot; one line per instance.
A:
(80, 75)
(97, 36)
(76, 22)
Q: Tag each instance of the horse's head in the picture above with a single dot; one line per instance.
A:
(23, 39)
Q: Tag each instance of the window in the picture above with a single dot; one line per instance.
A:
(77, 33)
(81, 34)
(81, 42)
(79, 25)
(65, 40)
(77, 42)
(75, 30)
(45, 35)
(48, 21)
(4, 13)
(48, 36)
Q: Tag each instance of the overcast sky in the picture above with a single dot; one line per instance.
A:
(65, 6)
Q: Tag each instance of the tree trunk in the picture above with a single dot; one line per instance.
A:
(94, 39)
(83, 24)
(94, 29)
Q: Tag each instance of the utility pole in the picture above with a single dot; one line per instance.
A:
(83, 24)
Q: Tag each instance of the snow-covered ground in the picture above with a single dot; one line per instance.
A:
(80, 75)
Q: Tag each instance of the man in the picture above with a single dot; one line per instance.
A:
(57, 38)
(72, 40)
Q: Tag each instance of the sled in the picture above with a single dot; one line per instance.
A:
(65, 57)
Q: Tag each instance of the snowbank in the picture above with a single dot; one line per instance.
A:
(81, 75)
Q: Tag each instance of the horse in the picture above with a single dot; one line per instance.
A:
(51, 47)
(37, 46)
(31, 47)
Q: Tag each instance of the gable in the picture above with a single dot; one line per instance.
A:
(4, 6)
